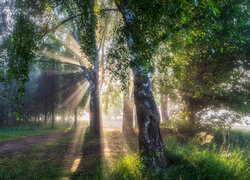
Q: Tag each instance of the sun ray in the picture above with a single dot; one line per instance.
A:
(59, 58)
(75, 98)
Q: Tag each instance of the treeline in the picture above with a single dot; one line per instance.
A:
(50, 85)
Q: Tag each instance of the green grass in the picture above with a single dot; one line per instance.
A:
(18, 132)
(128, 167)
(236, 138)
(188, 162)
(41, 161)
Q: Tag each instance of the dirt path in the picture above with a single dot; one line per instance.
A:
(19, 143)
(73, 155)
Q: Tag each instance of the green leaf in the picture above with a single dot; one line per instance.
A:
(184, 17)
(190, 40)
(215, 10)
(221, 50)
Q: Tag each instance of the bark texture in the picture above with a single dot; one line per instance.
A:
(150, 140)
(95, 116)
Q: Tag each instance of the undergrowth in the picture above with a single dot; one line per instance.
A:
(188, 162)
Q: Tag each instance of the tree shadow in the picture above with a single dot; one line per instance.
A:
(90, 165)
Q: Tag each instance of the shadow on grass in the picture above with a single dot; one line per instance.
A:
(39, 161)
(91, 162)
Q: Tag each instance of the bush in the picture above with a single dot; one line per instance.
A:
(181, 124)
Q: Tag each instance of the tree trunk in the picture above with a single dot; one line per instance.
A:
(135, 116)
(45, 118)
(150, 140)
(75, 122)
(53, 119)
(95, 117)
(164, 109)
(191, 112)
(127, 124)
(45, 111)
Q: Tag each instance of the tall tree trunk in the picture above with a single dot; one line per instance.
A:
(45, 118)
(150, 140)
(53, 119)
(164, 109)
(75, 122)
(95, 116)
(127, 124)
(135, 116)
(53, 93)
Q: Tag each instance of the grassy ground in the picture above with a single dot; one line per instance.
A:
(193, 159)
(76, 155)
(18, 132)
(80, 155)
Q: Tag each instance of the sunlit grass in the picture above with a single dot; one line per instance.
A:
(188, 162)
(193, 162)
(81, 155)
(128, 167)
(18, 132)
(73, 158)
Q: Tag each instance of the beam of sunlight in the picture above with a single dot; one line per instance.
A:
(70, 42)
(75, 164)
(59, 57)
(73, 157)
(75, 98)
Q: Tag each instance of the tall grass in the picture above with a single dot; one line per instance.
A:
(236, 138)
(128, 167)
(188, 162)
(193, 162)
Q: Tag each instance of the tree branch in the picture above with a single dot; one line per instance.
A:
(86, 71)
(73, 17)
